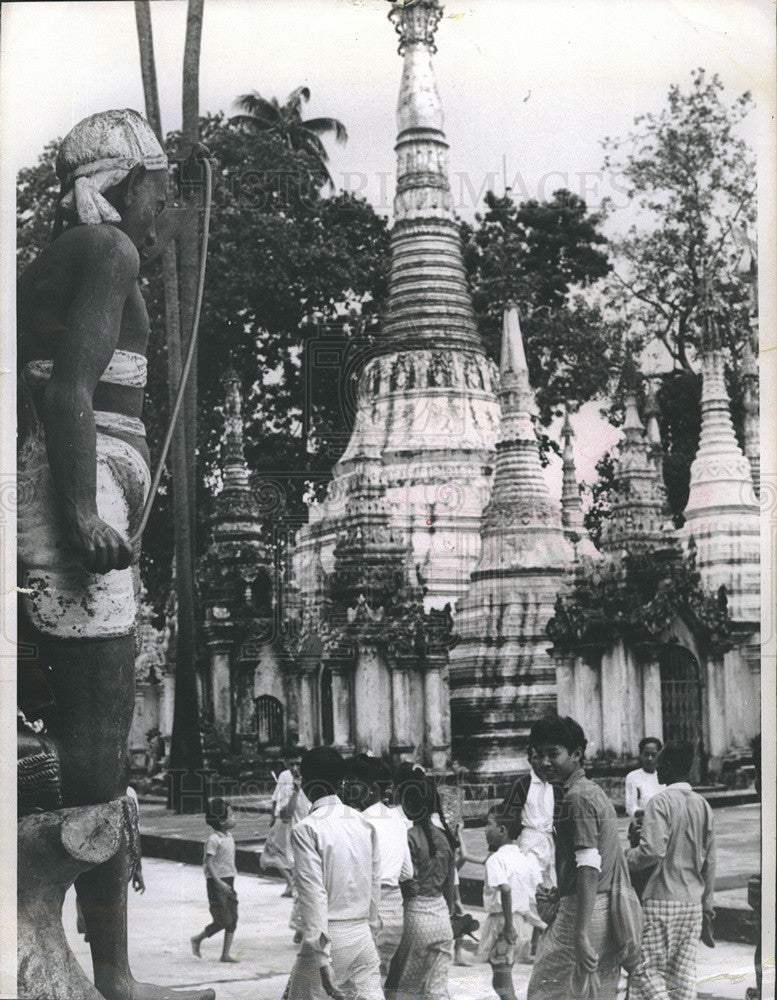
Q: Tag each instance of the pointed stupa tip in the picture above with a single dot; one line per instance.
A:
(631, 418)
(513, 354)
(566, 429)
(652, 411)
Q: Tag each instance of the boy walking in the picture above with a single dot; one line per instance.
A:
(578, 952)
(509, 889)
(220, 872)
(678, 839)
(337, 879)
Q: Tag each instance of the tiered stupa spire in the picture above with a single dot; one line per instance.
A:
(571, 502)
(638, 520)
(426, 407)
(236, 508)
(237, 568)
(722, 513)
(502, 677)
(428, 303)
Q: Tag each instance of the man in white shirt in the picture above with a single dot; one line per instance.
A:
(642, 784)
(369, 780)
(337, 879)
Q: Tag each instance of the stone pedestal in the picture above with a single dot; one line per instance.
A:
(222, 689)
(401, 742)
(54, 849)
(435, 731)
(341, 710)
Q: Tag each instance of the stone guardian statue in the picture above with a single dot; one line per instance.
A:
(83, 475)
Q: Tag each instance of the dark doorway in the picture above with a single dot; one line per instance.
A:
(269, 721)
(681, 703)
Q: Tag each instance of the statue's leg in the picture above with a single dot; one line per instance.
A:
(93, 681)
(94, 688)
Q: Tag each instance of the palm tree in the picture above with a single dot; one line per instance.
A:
(186, 747)
(185, 741)
(285, 121)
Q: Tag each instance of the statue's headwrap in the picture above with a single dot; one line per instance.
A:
(99, 152)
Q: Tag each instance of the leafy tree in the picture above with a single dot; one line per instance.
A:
(601, 494)
(37, 191)
(285, 121)
(691, 178)
(544, 255)
(286, 268)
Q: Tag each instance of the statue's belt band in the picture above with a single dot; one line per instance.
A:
(125, 368)
(118, 423)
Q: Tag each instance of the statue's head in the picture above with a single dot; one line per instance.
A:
(113, 169)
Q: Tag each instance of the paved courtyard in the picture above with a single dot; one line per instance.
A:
(174, 907)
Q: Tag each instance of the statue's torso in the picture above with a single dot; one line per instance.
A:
(44, 298)
(61, 598)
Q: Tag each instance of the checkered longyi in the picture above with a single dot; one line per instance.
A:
(670, 939)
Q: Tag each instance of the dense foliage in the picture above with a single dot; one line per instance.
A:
(636, 599)
(542, 255)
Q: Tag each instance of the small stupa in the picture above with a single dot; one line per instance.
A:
(502, 677)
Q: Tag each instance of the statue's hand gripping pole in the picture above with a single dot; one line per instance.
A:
(135, 539)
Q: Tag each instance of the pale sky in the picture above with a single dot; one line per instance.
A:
(533, 84)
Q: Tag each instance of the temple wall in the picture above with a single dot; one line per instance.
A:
(417, 719)
(617, 698)
(742, 685)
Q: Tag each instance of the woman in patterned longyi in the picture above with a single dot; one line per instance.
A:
(421, 964)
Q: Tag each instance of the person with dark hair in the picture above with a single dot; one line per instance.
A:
(642, 784)
(535, 800)
(220, 872)
(368, 780)
(678, 838)
(579, 949)
(337, 882)
(509, 889)
(422, 961)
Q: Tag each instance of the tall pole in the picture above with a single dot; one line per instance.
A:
(186, 746)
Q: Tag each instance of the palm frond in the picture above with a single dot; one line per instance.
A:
(260, 107)
(295, 99)
(253, 123)
(303, 138)
(321, 126)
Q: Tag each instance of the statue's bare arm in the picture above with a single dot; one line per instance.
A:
(105, 272)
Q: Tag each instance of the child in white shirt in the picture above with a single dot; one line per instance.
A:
(509, 889)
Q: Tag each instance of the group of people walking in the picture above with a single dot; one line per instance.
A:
(373, 866)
